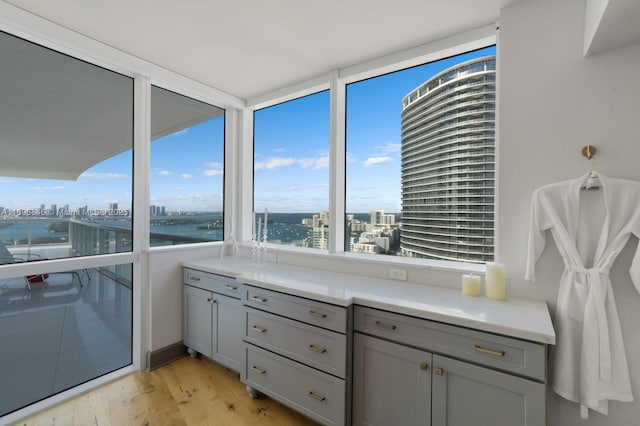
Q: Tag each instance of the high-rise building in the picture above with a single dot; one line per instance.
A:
(448, 163)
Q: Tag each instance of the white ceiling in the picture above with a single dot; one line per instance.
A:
(250, 47)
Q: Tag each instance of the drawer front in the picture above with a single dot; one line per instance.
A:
(213, 282)
(315, 394)
(509, 354)
(324, 315)
(319, 348)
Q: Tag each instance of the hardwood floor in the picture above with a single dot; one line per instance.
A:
(189, 391)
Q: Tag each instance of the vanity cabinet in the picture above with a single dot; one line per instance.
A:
(413, 371)
(297, 351)
(213, 317)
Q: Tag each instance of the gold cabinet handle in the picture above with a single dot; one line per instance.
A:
(317, 349)
(439, 371)
(230, 287)
(258, 299)
(317, 314)
(258, 329)
(424, 366)
(385, 326)
(489, 351)
(316, 397)
(257, 370)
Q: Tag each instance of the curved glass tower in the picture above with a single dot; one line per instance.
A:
(448, 163)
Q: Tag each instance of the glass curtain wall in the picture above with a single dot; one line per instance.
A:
(66, 134)
(187, 170)
(291, 172)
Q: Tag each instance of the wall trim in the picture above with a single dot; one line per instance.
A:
(164, 356)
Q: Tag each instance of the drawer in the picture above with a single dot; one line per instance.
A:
(319, 348)
(505, 353)
(324, 315)
(213, 282)
(315, 394)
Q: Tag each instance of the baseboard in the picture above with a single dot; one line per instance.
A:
(165, 355)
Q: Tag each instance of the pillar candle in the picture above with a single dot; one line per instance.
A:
(495, 281)
(471, 285)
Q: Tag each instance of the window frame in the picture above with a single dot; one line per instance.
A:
(337, 81)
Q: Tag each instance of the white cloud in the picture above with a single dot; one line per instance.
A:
(274, 163)
(164, 173)
(47, 188)
(186, 176)
(95, 175)
(214, 165)
(317, 163)
(376, 161)
(388, 148)
(213, 172)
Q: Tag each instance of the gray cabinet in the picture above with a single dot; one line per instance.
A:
(213, 317)
(406, 368)
(467, 394)
(391, 383)
(297, 351)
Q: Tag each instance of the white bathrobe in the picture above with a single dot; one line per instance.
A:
(589, 362)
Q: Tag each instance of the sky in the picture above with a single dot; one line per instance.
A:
(291, 157)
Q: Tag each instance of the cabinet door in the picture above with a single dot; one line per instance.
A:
(466, 394)
(228, 348)
(198, 319)
(391, 383)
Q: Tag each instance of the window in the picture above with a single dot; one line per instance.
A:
(66, 132)
(66, 165)
(291, 176)
(187, 170)
(420, 161)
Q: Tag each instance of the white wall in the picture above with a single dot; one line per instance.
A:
(554, 101)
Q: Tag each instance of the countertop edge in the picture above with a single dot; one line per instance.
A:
(246, 274)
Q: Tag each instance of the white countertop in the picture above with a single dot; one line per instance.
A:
(521, 318)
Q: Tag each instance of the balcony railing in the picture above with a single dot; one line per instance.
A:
(55, 238)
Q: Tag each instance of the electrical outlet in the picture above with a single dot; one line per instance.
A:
(398, 274)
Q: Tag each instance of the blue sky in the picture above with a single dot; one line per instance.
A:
(291, 157)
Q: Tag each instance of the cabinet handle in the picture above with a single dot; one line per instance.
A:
(257, 370)
(316, 397)
(210, 300)
(439, 371)
(258, 299)
(194, 278)
(387, 326)
(489, 351)
(424, 366)
(317, 314)
(317, 349)
(258, 329)
(230, 287)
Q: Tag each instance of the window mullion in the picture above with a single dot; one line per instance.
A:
(337, 161)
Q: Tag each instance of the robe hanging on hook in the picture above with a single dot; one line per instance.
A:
(589, 151)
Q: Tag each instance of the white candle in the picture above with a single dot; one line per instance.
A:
(495, 281)
(471, 285)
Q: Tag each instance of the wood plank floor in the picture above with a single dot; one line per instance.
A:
(188, 391)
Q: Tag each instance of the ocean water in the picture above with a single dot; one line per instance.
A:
(283, 228)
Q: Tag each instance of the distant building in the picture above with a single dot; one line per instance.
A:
(448, 162)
